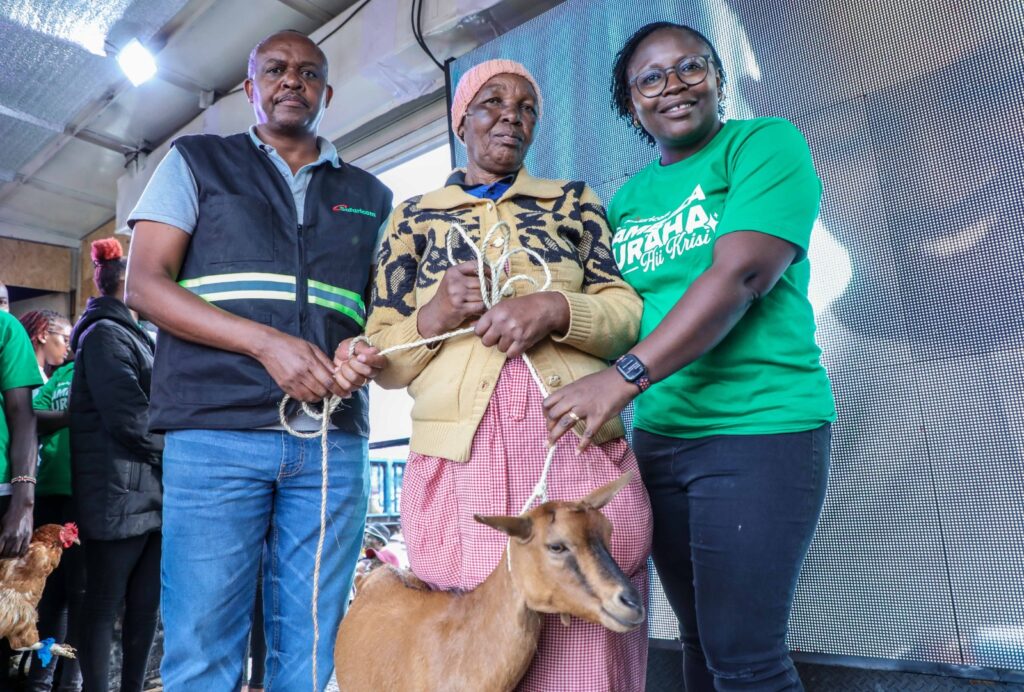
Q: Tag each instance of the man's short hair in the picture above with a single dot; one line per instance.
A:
(251, 71)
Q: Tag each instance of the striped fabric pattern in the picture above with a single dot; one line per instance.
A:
(264, 286)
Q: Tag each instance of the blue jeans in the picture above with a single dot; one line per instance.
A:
(733, 518)
(227, 493)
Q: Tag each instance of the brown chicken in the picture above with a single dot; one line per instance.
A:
(22, 580)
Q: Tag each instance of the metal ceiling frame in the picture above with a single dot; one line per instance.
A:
(78, 127)
(310, 9)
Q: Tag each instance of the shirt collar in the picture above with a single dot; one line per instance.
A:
(458, 177)
(328, 152)
(453, 195)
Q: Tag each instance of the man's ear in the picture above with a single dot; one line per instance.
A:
(330, 95)
(247, 85)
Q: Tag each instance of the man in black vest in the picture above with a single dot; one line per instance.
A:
(253, 254)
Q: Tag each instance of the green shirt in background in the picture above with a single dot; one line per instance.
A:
(54, 477)
(766, 376)
(18, 368)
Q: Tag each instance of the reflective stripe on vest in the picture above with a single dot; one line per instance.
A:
(260, 286)
(334, 298)
(243, 286)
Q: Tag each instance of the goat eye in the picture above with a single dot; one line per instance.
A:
(557, 548)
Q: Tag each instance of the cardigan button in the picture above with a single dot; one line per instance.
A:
(483, 385)
(554, 381)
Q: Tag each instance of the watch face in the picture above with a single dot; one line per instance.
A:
(630, 367)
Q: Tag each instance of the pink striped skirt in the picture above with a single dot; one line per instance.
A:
(450, 550)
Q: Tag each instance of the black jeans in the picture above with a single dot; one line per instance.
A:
(733, 518)
(125, 571)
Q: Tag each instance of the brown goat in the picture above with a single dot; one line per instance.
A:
(400, 636)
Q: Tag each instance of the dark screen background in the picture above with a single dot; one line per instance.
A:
(913, 112)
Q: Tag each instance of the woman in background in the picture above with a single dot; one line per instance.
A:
(59, 607)
(50, 333)
(116, 477)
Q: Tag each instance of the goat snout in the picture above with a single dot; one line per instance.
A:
(630, 598)
(623, 612)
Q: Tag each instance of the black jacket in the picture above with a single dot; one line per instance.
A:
(252, 256)
(115, 460)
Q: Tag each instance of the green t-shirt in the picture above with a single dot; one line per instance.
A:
(766, 375)
(54, 477)
(18, 368)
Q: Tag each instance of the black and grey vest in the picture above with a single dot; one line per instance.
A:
(251, 256)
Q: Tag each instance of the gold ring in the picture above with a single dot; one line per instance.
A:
(572, 414)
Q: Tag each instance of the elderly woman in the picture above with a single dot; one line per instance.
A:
(478, 435)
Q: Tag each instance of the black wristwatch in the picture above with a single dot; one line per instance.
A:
(632, 370)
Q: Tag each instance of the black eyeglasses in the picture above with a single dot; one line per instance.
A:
(691, 71)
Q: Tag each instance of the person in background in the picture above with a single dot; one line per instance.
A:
(19, 375)
(116, 478)
(5, 298)
(478, 442)
(50, 333)
(62, 597)
(253, 254)
(733, 407)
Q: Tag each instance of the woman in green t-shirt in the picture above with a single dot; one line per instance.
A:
(733, 434)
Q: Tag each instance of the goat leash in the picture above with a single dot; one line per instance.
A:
(492, 293)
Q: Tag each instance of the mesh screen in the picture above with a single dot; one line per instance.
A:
(913, 113)
(60, 44)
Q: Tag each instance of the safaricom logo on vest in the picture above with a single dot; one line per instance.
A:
(352, 210)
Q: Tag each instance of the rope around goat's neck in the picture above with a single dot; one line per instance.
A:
(492, 292)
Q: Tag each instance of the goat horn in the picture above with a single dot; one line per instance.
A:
(565, 618)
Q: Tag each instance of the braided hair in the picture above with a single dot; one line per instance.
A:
(108, 260)
(38, 322)
(620, 88)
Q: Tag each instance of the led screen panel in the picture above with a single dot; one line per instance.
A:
(913, 113)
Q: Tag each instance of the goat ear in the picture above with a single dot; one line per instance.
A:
(603, 495)
(517, 527)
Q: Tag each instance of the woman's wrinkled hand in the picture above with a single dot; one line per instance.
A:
(352, 373)
(594, 399)
(458, 299)
(516, 324)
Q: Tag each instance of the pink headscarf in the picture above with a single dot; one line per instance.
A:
(476, 77)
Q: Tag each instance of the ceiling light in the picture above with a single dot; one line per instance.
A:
(136, 62)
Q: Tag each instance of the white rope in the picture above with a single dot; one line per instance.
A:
(491, 292)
